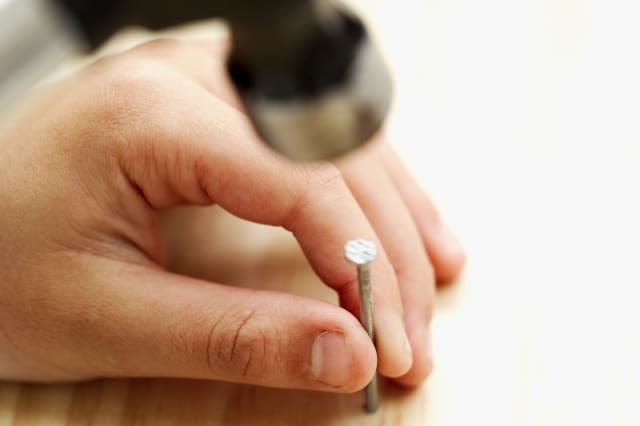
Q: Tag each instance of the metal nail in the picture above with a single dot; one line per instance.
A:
(361, 253)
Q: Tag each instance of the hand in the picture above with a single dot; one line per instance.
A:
(84, 293)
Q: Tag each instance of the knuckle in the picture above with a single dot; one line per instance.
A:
(238, 344)
(127, 92)
(159, 47)
(132, 81)
(318, 184)
(134, 107)
(418, 198)
(326, 179)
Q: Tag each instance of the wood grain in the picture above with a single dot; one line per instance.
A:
(177, 402)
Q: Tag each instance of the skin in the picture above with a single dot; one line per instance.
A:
(84, 292)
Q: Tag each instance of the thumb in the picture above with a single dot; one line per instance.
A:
(182, 327)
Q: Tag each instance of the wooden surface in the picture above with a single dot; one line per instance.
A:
(521, 118)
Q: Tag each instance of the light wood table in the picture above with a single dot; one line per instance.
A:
(271, 258)
(521, 118)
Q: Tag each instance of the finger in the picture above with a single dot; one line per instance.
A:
(445, 251)
(394, 225)
(149, 323)
(203, 151)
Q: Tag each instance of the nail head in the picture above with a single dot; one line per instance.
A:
(360, 252)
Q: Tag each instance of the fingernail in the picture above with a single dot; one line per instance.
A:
(449, 241)
(407, 344)
(331, 359)
(394, 350)
(428, 350)
(403, 343)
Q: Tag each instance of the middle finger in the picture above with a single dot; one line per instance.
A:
(387, 213)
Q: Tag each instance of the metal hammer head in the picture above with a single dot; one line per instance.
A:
(313, 83)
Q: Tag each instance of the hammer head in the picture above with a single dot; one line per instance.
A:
(313, 83)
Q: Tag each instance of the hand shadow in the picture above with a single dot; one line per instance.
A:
(210, 244)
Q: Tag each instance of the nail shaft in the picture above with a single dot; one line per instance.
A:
(362, 253)
(366, 318)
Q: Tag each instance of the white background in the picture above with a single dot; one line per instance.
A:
(522, 119)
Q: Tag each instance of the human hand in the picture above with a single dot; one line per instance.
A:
(84, 293)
